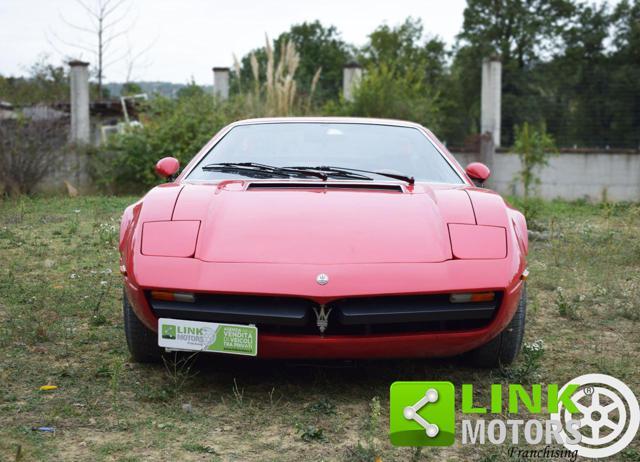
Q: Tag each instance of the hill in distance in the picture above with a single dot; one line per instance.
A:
(168, 89)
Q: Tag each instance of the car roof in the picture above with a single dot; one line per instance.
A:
(336, 120)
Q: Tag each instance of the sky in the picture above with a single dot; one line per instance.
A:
(177, 40)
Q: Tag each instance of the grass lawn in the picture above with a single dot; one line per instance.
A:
(61, 324)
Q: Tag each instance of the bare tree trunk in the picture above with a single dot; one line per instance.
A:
(100, 52)
(103, 26)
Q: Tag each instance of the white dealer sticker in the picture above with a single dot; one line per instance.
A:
(177, 334)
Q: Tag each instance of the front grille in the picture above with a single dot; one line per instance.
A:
(348, 316)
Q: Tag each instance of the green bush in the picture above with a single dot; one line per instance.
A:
(179, 127)
(390, 94)
(170, 127)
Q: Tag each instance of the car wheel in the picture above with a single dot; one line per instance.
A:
(504, 348)
(142, 341)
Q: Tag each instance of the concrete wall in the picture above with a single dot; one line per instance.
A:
(592, 176)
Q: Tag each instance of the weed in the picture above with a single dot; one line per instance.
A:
(370, 450)
(629, 311)
(271, 402)
(97, 318)
(311, 433)
(73, 224)
(199, 448)
(527, 369)
(533, 145)
(238, 393)
(115, 374)
(360, 453)
(178, 371)
(153, 394)
(322, 406)
(567, 308)
(107, 233)
(630, 455)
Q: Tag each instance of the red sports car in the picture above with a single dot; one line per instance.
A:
(324, 238)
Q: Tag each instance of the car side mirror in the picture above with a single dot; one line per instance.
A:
(167, 167)
(478, 172)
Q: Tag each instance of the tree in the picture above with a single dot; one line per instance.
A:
(585, 84)
(405, 74)
(461, 98)
(517, 30)
(45, 83)
(521, 32)
(130, 89)
(625, 75)
(390, 93)
(318, 47)
(403, 48)
(104, 25)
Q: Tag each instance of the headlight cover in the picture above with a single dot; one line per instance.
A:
(170, 238)
(475, 242)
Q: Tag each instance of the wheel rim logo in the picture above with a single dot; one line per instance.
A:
(610, 415)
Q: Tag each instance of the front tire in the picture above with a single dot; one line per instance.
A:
(142, 341)
(504, 348)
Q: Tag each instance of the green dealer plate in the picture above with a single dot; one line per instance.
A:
(178, 334)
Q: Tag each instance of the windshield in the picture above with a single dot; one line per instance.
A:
(389, 149)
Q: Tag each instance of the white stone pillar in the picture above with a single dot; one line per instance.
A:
(491, 115)
(221, 83)
(351, 78)
(80, 122)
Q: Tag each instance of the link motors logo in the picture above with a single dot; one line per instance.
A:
(594, 416)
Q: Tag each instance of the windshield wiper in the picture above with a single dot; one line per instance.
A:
(348, 170)
(262, 170)
(334, 172)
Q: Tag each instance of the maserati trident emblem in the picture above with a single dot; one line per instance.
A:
(322, 317)
(322, 279)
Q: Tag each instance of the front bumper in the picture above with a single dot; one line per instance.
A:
(345, 281)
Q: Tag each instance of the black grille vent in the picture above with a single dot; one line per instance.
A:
(349, 316)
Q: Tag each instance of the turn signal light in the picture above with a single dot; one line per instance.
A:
(472, 297)
(173, 296)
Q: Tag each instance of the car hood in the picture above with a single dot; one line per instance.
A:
(318, 225)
